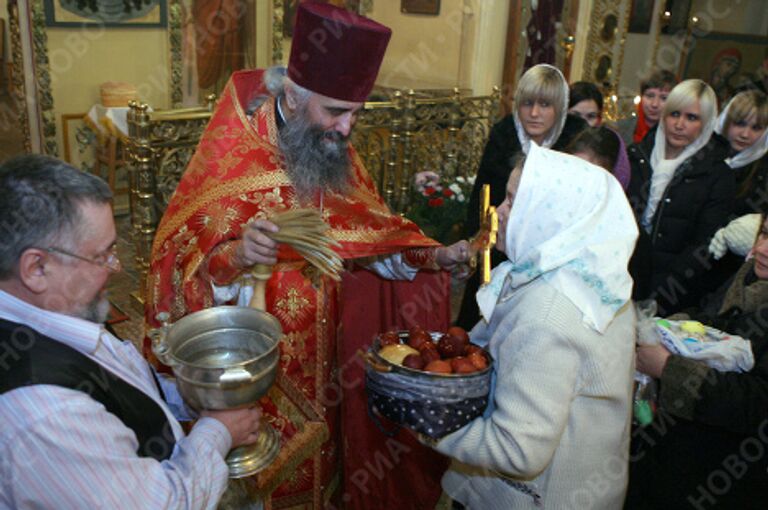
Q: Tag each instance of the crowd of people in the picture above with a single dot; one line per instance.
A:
(692, 183)
(593, 217)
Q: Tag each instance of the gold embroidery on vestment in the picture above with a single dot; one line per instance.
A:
(292, 307)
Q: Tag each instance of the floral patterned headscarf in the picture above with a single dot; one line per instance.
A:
(570, 224)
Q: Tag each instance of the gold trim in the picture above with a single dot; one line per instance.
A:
(597, 47)
(291, 456)
(229, 188)
(65, 118)
(277, 32)
(249, 126)
(175, 36)
(321, 366)
(17, 66)
(622, 46)
(43, 77)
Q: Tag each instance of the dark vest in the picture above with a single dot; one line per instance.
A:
(28, 358)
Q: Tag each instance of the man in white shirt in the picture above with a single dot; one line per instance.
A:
(84, 422)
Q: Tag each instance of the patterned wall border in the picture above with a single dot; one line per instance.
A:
(17, 66)
(175, 45)
(43, 77)
(277, 32)
(597, 47)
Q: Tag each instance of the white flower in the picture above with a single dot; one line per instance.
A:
(425, 179)
(455, 188)
(459, 197)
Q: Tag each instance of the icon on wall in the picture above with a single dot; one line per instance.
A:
(106, 13)
(420, 7)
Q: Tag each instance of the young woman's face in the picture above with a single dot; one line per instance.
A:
(653, 103)
(506, 207)
(683, 126)
(537, 117)
(588, 111)
(744, 133)
(761, 252)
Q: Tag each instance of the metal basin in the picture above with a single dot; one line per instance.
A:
(223, 357)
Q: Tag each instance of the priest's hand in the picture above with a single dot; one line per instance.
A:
(243, 424)
(454, 257)
(256, 247)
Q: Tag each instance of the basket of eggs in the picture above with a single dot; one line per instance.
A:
(430, 382)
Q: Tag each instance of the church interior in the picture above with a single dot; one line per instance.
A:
(449, 72)
(129, 100)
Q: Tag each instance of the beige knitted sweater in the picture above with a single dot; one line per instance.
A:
(558, 425)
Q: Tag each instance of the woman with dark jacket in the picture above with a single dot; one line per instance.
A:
(707, 447)
(681, 191)
(540, 116)
(743, 123)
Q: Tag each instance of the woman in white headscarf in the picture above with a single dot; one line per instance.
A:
(743, 123)
(540, 115)
(682, 193)
(558, 322)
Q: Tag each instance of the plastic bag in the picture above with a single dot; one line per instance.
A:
(691, 339)
(644, 402)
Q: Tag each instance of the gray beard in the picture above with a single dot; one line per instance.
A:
(314, 159)
(96, 311)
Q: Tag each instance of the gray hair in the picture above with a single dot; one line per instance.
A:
(275, 80)
(40, 198)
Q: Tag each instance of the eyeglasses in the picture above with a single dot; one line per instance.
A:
(107, 260)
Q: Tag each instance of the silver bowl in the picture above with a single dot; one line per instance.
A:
(223, 357)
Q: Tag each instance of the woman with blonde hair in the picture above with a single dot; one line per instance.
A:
(540, 116)
(743, 123)
(681, 191)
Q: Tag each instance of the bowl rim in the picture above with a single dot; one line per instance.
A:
(223, 310)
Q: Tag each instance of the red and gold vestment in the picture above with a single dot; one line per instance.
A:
(237, 175)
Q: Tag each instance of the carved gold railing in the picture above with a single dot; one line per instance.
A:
(159, 147)
(395, 139)
(409, 134)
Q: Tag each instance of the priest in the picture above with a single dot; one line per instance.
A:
(277, 141)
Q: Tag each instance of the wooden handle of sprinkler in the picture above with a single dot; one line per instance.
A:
(261, 273)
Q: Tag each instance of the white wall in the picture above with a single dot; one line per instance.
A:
(425, 50)
(461, 47)
(485, 68)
